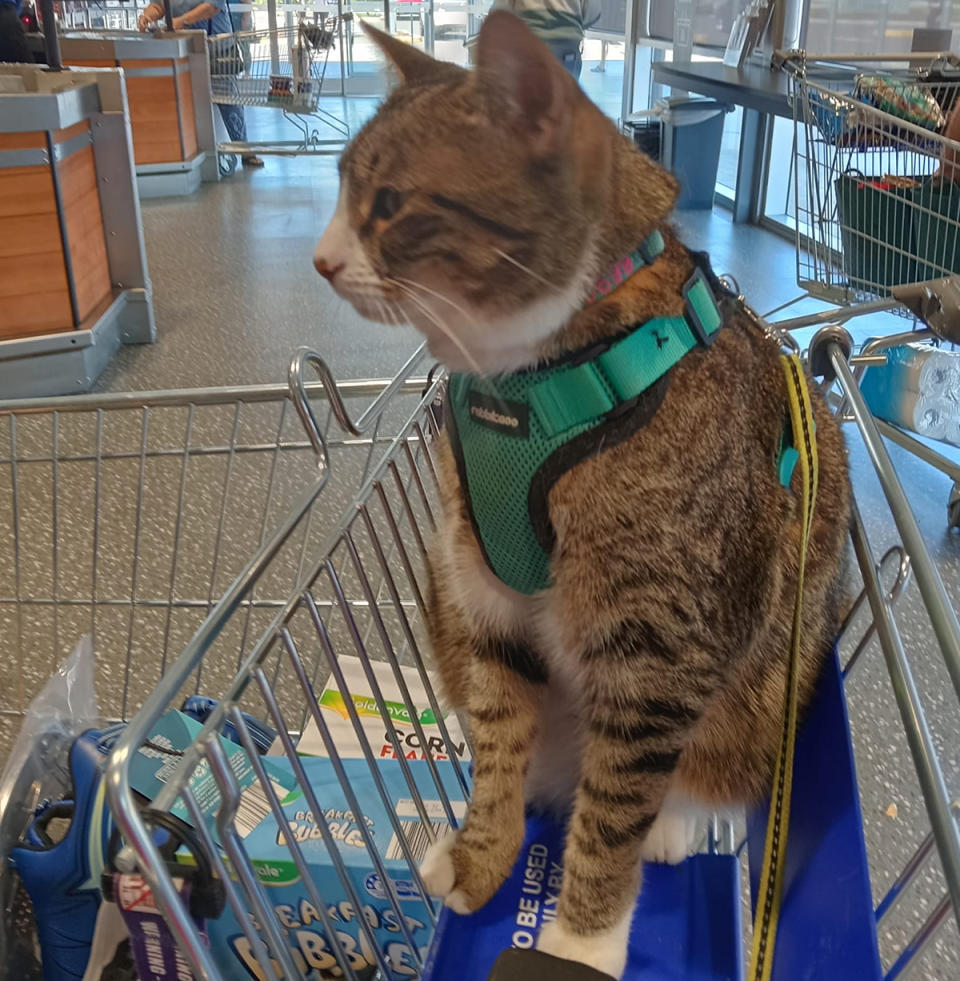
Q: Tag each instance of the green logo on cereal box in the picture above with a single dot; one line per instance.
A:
(272, 873)
(366, 705)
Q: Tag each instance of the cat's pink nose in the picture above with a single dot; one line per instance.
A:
(325, 269)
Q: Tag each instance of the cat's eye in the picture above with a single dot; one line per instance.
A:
(386, 203)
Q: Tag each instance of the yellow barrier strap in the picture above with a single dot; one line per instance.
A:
(778, 820)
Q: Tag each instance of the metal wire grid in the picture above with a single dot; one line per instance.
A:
(294, 609)
(284, 67)
(128, 516)
(99, 14)
(362, 594)
(860, 228)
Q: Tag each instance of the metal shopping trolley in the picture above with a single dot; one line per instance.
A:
(877, 203)
(283, 68)
(321, 635)
(876, 206)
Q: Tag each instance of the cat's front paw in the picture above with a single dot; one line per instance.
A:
(605, 952)
(671, 837)
(465, 877)
(438, 873)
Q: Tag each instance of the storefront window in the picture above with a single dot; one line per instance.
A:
(867, 26)
(712, 20)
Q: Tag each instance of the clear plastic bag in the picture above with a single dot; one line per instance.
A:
(37, 770)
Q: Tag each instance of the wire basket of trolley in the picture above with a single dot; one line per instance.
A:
(876, 178)
(283, 68)
(279, 834)
(126, 516)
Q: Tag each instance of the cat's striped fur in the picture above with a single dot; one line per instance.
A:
(653, 669)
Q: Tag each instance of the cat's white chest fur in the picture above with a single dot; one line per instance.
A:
(498, 609)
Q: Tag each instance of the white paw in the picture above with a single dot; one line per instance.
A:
(457, 901)
(672, 836)
(438, 875)
(436, 869)
(605, 952)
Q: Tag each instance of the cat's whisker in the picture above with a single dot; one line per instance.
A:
(528, 271)
(440, 296)
(393, 312)
(491, 381)
(385, 313)
(403, 319)
(435, 320)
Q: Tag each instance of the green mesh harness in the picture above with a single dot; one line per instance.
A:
(514, 436)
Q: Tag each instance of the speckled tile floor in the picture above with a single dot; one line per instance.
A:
(235, 294)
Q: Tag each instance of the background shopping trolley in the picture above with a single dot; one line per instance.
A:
(283, 68)
(878, 205)
(321, 636)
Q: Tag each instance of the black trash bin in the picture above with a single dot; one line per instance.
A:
(692, 134)
(645, 133)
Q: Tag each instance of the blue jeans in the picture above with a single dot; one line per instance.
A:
(568, 54)
(233, 119)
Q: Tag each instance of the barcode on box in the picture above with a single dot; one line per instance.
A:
(415, 832)
(418, 839)
(407, 808)
(252, 809)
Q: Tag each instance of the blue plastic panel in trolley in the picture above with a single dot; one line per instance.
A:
(686, 928)
(687, 924)
(827, 927)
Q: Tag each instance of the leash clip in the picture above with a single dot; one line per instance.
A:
(784, 340)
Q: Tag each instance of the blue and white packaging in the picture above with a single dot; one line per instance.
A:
(917, 389)
(289, 896)
(382, 819)
(369, 709)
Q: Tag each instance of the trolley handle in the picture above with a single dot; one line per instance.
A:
(298, 395)
(795, 61)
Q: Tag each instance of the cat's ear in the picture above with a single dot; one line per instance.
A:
(412, 65)
(524, 69)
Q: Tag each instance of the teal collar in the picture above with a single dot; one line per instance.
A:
(650, 250)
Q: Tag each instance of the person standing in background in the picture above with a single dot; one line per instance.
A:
(13, 38)
(214, 18)
(560, 24)
(602, 67)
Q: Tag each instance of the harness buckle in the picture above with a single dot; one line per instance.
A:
(701, 311)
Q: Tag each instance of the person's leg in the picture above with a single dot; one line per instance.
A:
(577, 66)
(237, 128)
(568, 54)
(13, 38)
(233, 119)
(602, 67)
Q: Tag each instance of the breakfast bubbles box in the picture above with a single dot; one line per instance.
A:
(265, 843)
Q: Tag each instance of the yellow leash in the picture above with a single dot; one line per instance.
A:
(778, 820)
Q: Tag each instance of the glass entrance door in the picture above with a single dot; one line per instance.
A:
(442, 28)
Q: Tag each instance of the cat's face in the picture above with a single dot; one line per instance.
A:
(467, 205)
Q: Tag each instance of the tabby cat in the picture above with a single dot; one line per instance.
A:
(647, 680)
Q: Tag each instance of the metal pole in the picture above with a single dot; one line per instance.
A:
(168, 14)
(630, 31)
(274, 43)
(840, 316)
(343, 54)
(51, 42)
(942, 615)
(929, 774)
